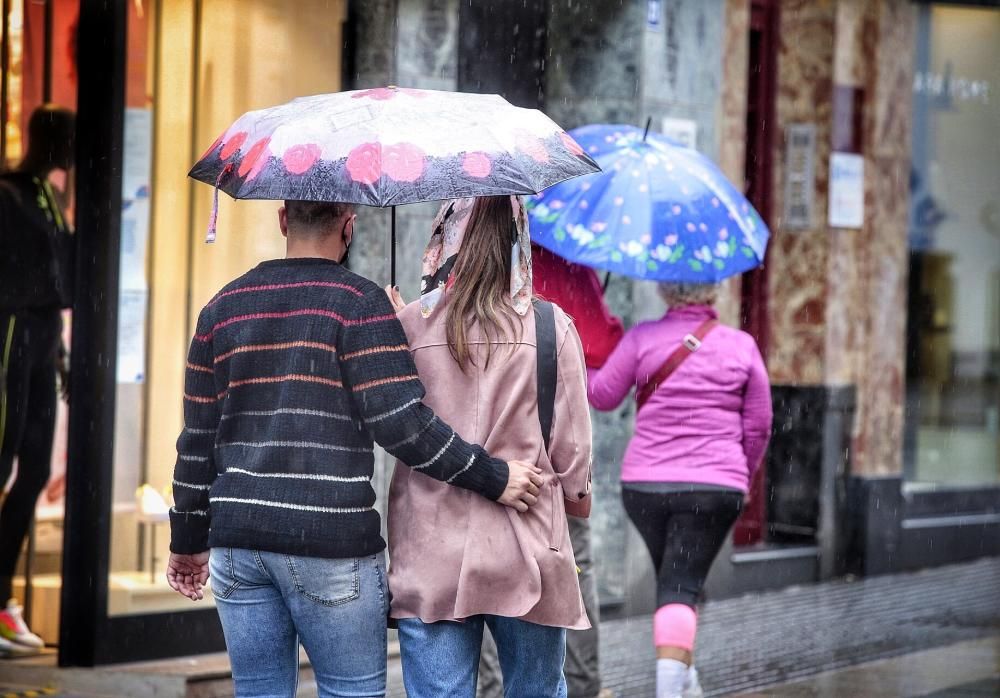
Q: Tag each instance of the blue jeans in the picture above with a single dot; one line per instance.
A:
(269, 603)
(441, 660)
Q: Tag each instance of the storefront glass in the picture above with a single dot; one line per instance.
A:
(953, 374)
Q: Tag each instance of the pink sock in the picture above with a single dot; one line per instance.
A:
(674, 625)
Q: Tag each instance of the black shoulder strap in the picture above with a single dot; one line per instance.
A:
(545, 340)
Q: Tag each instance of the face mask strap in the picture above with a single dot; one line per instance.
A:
(343, 235)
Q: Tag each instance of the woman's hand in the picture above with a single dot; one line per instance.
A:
(395, 298)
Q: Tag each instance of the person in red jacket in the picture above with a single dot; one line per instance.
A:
(578, 291)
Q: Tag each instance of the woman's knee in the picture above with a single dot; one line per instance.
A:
(675, 625)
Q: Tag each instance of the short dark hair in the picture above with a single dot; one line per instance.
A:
(52, 131)
(315, 215)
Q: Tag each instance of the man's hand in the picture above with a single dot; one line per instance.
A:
(187, 574)
(522, 485)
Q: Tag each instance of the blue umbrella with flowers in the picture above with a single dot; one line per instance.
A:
(657, 210)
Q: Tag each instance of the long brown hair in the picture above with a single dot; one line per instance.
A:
(480, 292)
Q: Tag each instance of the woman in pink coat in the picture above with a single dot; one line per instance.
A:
(699, 437)
(459, 563)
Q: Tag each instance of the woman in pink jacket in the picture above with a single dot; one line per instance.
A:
(459, 563)
(699, 437)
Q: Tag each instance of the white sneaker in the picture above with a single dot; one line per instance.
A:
(692, 687)
(13, 629)
(12, 650)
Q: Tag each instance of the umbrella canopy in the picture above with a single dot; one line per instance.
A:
(391, 146)
(657, 211)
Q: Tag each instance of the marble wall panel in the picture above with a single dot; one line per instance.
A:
(849, 66)
(732, 108)
(798, 264)
(881, 383)
(847, 311)
(731, 117)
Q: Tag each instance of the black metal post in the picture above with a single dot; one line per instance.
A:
(101, 50)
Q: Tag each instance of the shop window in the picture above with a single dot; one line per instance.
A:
(953, 334)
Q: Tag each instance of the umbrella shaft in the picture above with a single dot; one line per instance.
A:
(392, 244)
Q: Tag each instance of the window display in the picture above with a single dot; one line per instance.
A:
(953, 373)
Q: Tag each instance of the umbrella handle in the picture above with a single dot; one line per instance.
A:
(607, 280)
(392, 253)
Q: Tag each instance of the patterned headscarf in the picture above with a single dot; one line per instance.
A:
(446, 240)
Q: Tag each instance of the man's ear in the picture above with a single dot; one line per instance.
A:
(349, 229)
(283, 221)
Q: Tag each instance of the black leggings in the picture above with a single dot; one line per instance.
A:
(29, 351)
(683, 532)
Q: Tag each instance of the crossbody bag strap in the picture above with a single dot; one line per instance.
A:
(691, 344)
(545, 342)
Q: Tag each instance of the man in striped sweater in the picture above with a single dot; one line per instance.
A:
(295, 368)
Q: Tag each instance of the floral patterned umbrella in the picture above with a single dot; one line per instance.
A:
(390, 146)
(657, 211)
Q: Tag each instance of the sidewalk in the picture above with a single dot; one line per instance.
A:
(768, 639)
(969, 669)
(930, 634)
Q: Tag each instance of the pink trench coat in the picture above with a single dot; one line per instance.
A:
(454, 554)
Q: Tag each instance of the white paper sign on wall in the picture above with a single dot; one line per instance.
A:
(684, 131)
(847, 190)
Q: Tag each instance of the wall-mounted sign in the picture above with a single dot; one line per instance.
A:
(654, 8)
(684, 131)
(847, 190)
(800, 181)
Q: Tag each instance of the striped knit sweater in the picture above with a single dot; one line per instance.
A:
(294, 369)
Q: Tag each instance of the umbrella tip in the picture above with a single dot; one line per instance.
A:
(649, 122)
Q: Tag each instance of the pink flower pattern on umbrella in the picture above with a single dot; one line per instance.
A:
(571, 145)
(233, 144)
(255, 159)
(477, 164)
(364, 163)
(533, 148)
(403, 162)
(299, 158)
